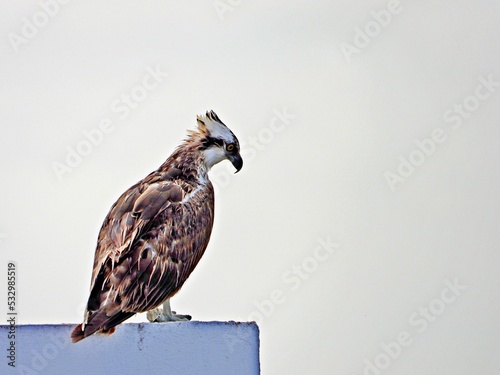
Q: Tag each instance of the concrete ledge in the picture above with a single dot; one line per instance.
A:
(144, 348)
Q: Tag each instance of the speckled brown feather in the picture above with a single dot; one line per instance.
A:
(151, 240)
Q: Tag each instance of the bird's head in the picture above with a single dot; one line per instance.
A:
(218, 142)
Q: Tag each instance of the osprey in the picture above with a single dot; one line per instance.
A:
(155, 234)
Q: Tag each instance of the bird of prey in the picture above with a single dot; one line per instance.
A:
(155, 234)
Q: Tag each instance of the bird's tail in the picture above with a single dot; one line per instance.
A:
(99, 323)
(78, 333)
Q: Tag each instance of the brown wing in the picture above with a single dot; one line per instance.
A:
(130, 215)
(150, 242)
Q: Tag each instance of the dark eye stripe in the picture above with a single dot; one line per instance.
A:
(209, 141)
(217, 141)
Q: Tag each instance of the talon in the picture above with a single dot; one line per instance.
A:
(159, 315)
(153, 315)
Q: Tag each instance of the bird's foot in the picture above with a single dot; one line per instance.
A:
(172, 317)
(153, 314)
(158, 315)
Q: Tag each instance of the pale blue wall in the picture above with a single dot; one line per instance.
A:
(160, 348)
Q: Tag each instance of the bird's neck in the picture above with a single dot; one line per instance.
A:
(189, 160)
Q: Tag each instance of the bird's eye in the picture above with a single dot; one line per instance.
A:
(230, 147)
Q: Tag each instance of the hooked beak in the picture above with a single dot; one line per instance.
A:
(237, 161)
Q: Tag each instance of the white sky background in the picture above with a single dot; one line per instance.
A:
(322, 176)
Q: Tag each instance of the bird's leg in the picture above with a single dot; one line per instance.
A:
(153, 314)
(166, 315)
